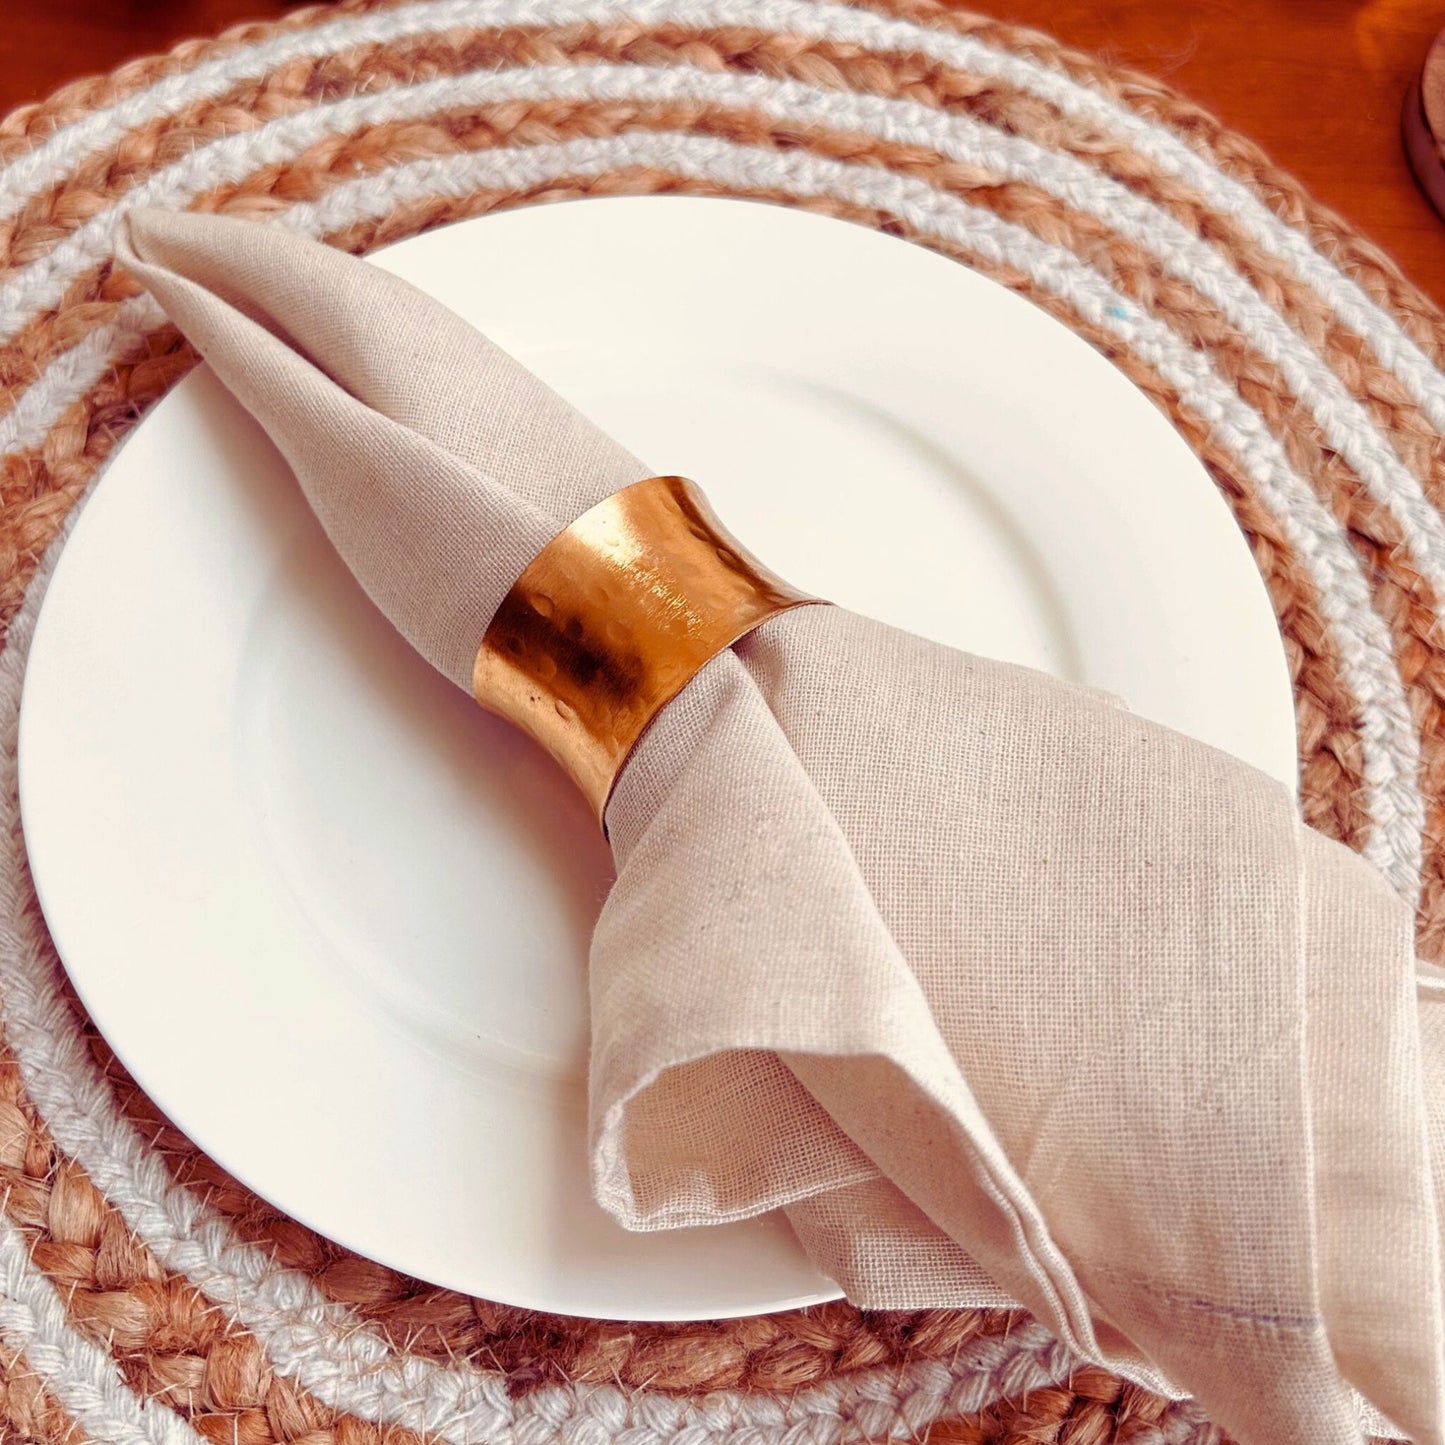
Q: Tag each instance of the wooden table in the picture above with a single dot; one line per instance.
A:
(1318, 83)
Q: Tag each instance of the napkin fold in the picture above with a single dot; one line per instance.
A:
(1004, 994)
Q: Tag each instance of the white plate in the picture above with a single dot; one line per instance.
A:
(333, 918)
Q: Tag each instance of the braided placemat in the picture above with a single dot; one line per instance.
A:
(144, 1296)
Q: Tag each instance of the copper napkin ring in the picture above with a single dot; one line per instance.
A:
(613, 617)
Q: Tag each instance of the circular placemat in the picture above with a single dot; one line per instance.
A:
(145, 1296)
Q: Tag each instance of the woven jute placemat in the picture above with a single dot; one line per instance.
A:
(144, 1296)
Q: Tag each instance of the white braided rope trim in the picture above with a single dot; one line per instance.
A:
(1391, 743)
(68, 376)
(82, 1378)
(298, 1329)
(55, 157)
(1346, 425)
(342, 1361)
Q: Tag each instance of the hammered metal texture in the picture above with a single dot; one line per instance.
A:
(612, 618)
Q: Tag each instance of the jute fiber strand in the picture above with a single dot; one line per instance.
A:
(147, 1296)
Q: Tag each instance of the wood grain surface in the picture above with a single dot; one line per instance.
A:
(1318, 83)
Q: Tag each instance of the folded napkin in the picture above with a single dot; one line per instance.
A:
(1004, 994)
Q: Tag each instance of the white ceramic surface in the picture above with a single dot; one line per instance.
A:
(334, 918)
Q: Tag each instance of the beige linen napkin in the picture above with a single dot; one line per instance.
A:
(1002, 992)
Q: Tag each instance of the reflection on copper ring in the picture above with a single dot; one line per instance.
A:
(613, 617)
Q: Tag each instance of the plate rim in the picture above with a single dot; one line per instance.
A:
(39, 873)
